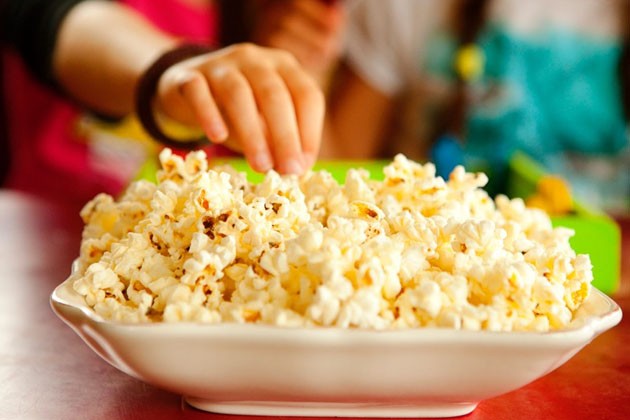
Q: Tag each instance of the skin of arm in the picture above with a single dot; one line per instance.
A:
(358, 119)
(310, 29)
(256, 100)
(101, 51)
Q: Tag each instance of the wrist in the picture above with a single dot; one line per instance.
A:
(146, 90)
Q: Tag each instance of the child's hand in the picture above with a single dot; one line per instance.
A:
(257, 100)
(309, 29)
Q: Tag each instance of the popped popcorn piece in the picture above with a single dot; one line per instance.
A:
(415, 250)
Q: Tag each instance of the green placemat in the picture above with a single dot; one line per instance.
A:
(337, 168)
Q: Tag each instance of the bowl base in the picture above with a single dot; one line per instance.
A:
(323, 409)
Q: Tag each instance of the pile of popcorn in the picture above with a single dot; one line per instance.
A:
(205, 245)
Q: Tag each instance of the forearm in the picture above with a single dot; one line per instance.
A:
(357, 121)
(101, 51)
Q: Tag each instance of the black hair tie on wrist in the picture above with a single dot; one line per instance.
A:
(147, 86)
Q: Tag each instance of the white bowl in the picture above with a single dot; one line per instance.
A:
(266, 370)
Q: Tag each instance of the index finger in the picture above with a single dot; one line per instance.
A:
(310, 107)
(275, 103)
(234, 94)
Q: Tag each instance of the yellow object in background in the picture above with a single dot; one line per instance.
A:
(553, 194)
(470, 62)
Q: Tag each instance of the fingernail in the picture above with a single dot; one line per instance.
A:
(309, 160)
(292, 166)
(218, 133)
(263, 162)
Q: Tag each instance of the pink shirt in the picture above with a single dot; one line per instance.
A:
(49, 154)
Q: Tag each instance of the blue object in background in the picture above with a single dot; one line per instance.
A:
(446, 154)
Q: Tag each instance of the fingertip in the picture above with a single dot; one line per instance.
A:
(218, 133)
(309, 160)
(292, 166)
(261, 162)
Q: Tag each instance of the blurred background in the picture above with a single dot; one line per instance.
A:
(529, 91)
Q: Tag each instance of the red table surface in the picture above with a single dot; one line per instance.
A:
(47, 372)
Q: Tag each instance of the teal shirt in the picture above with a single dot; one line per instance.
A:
(555, 96)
